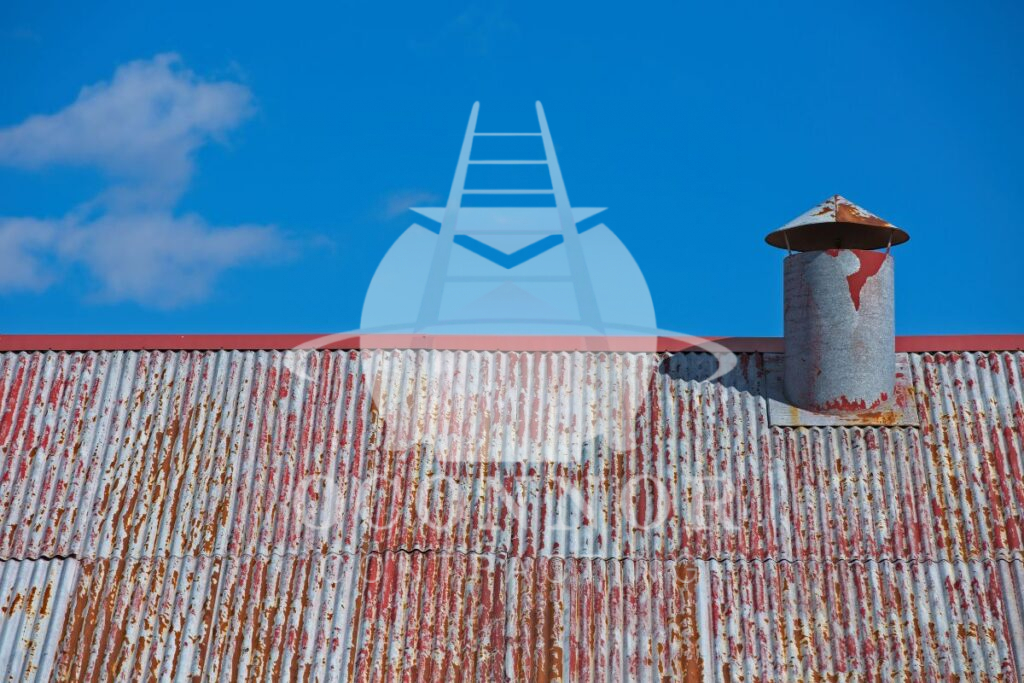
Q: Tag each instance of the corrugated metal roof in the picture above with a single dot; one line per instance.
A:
(337, 617)
(34, 596)
(166, 472)
(436, 616)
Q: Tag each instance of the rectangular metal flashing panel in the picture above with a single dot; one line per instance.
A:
(899, 411)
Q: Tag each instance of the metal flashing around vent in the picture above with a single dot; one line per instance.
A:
(898, 411)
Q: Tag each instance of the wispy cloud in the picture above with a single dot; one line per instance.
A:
(141, 129)
(397, 203)
(477, 28)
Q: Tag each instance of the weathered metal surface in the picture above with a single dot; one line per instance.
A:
(972, 444)
(441, 617)
(899, 411)
(148, 454)
(34, 596)
(596, 620)
(859, 621)
(759, 621)
(156, 454)
(396, 616)
(434, 616)
(837, 209)
(1011, 583)
(952, 489)
(836, 223)
(840, 331)
(400, 616)
(427, 515)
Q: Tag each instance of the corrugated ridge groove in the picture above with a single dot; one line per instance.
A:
(506, 556)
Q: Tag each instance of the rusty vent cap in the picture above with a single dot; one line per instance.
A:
(836, 223)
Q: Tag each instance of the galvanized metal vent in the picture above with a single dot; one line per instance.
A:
(840, 362)
(900, 410)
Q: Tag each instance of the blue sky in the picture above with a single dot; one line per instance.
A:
(243, 169)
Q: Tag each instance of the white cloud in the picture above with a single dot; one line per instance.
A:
(141, 129)
(162, 260)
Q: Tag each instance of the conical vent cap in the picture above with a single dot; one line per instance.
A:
(836, 223)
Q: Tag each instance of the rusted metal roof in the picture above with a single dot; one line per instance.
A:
(396, 513)
(34, 596)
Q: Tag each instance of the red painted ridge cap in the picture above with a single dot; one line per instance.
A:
(249, 342)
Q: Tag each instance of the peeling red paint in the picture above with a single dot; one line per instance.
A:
(870, 262)
(845, 405)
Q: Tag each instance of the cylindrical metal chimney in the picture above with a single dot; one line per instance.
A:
(840, 332)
